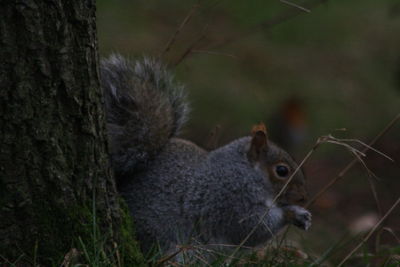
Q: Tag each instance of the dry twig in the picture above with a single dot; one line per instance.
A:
(353, 162)
(281, 18)
(296, 6)
(365, 239)
(179, 29)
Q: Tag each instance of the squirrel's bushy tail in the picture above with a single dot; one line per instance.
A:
(144, 108)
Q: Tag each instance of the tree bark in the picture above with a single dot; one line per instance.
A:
(56, 187)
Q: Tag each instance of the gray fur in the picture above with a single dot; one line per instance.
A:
(144, 108)
(189, 195)
(182, 193)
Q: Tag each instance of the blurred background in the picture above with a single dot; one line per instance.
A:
(305, 68)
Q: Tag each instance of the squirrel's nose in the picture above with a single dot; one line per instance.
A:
(297, 197)
(301, 200)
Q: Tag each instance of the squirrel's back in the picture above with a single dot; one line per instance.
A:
(157, 196)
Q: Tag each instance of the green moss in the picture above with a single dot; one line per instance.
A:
(99, 248)
(79, 227)
(59, 229)
(130, 249)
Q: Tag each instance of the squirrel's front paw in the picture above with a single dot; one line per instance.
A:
(299, 216)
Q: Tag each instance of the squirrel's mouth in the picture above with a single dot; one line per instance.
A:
(287, 201)
(283, 204)
(297, 196)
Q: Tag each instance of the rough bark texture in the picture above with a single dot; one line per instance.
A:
(53, 157)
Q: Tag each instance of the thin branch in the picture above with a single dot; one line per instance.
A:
(369, 147)
(215, 252)
(212, 140)
(370, 173)
(375, 194)
(222, 245)
(380, 232)
(189, 50)
(214, 53)
(170, 256)
(365, 239)
(179, 29)
(354, 161)
(291, 13)
(204, 261)
(281, 18)
(295, 5)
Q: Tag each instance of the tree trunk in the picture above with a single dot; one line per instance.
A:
(56, 188)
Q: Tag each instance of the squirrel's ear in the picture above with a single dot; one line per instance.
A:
(259, 141)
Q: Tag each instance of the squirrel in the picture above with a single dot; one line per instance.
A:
(179, 193)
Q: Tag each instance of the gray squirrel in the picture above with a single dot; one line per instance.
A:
(179, 193)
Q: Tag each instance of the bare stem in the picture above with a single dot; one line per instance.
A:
(354, 161)
(179, 29)
(365, 239)
(279, 19)
(296, 6)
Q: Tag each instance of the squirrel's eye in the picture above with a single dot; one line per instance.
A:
(282, 170)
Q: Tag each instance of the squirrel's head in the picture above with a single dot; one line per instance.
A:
(278, 166)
